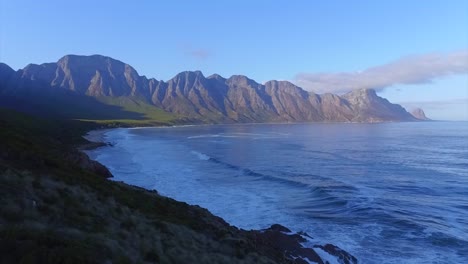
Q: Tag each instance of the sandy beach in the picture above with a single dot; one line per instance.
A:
(96, 139)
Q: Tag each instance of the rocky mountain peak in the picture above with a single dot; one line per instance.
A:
(281, 84)
(5, 68)
(94, 75)
(419, 114)
(362, 93)
(84, 59)
(241, 80)
(187, 80)
(189, 75)
(93, 63)
(216, 77)
(285, 87)
(5, 71)
(362, 96)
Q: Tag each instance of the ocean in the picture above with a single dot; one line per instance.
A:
(386, 193)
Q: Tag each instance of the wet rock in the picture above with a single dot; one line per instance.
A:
(281, 239)
(277, 237)
(343, 256)
(280, 228)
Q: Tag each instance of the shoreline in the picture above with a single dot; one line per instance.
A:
(97, 136)
(291, 244)
(96, 140)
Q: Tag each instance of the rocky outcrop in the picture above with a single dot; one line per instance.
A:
(341, 255)
(419, 114)
(90, 75)
(83, 161)
(280, 239)
(368, 107)
(192, 95)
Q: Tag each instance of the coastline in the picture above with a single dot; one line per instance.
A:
(290, 244)
(96, 139)
(97, 135)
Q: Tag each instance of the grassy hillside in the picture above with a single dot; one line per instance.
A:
(148, 115)
(54, 210)
(58, 206)
(109, 111)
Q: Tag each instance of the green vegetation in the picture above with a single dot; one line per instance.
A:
(148, 111)
(149, 114)
(106, 111)
(57, 210)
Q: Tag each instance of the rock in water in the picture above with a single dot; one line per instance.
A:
(419, 114)
(283, 240)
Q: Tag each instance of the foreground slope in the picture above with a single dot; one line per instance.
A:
(59, 207)
(99, 81)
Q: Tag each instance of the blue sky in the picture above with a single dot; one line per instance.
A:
(298, 41)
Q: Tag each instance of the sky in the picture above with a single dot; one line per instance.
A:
(412, 52)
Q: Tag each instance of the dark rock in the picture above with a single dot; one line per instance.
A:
(278, 238)
(94, 145)
(343, 256)
(290, 245)
(304, 234)
(280, 228)
(84, 162)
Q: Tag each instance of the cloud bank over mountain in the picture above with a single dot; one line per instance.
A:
(416, 69)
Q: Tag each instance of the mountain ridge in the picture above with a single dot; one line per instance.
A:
(189, 94)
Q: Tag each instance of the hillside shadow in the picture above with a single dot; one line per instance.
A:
(66, 106)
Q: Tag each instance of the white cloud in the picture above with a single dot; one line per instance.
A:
(195, 52)
(416, 69)
(199, 54)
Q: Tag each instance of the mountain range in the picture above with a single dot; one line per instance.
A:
(98, 87)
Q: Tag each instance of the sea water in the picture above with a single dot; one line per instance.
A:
(386, 193)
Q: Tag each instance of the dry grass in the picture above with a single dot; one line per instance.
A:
(54, 211)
